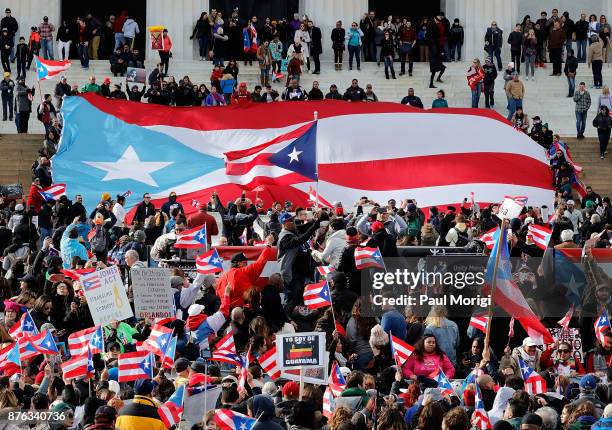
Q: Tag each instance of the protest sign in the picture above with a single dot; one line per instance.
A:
(300, 350)
(135, 75)
(571, 336)
(153, 296)
(312, 375)
(106, 296)
(511, 207)
(196, 405)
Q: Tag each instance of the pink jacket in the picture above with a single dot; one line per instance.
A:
(427, 365)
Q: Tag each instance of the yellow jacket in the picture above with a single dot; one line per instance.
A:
(141, 414)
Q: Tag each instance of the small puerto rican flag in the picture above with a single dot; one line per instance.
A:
(46, 69)
(53, 192)
(209, 262)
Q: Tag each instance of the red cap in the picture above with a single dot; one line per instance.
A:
(197, 379)
(377, 226)
(291, 389)
(107, 80)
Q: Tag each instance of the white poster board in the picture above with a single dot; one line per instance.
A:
(311, 375)
(196, 406)
(153, 296)
(300, 350)
(106, 296)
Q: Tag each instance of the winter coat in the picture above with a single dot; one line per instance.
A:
(334, 246)
(316, 45)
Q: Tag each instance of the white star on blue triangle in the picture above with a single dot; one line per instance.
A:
(300, 156)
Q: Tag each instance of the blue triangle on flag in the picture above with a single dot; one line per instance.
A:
(300, 156)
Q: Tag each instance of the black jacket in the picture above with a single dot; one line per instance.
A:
(494, 38)
(456, 34)
(315, 94)
(62, 90)
(354, 94)
(515, 39)
(337, 38)
(143, 211)
(581, 27)
(490, 72)
(4, 42)
(333, 96)
(316, 47)
(571, 65)
(64, 34)
(10, 23)
(21, 52)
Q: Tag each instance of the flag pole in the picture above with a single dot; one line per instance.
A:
(316, 117)
(493, 285)
(36, 57)
(205, 385)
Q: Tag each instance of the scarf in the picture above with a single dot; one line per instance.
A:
(474, 77)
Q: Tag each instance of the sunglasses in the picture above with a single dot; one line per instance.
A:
(563, 350)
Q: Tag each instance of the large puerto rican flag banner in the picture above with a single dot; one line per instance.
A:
(46, 69)
(157, 149)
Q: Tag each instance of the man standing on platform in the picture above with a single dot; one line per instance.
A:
(202, 217)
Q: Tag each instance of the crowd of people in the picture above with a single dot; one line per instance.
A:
(47, 244)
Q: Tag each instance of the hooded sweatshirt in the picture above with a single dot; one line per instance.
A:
(130, 28)
(263, 409)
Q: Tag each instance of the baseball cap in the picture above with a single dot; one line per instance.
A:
(291, 389)
(107, 80)
(285, 216)
(588, 382)
(7, 74)
(198, 366)
(19, 207)
(181, 364)
(589, 204)
(62, 77)
(269, 389)
(229, 378)
(195, 309)
(237, 258)
(570, 202)
(144, 387)
(377, 226)
(529, 342)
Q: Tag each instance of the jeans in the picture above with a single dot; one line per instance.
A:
(604, 138)
(203, 44)
(513, 104)
(389, 66)
(370, 49)
(46, 49)
(597, 78)
(455, 46)
(406, 55)
(218, 61)
(83, 55)
(119, 41)
(515, 56)
(476, 94)
(338, 56)
(21, 69)
(317, 62)
(7, 106)
(530, 64)
(571, 83)
(497, 52)
(354, 52)
(568, 46)
(44, 232)
(555, 59)
(63, 50)
(489, 93)
(581, 46)
(581, 122)
(164, 57)
(265, 76)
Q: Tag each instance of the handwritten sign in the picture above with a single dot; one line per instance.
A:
(153, 296)
(300, 350)
(571, 336)
(106, 296)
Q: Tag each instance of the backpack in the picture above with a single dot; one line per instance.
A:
(462, 238)
(99, 241)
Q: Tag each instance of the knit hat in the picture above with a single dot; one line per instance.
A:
(144, 387)
(567, 235)
(589, 204)
(269, 389)
(291, 389)
(195, 309)
(181, 364)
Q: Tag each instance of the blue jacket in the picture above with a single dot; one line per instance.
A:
(447, 338)
(70, 248)
(603, 423)
(394, 322)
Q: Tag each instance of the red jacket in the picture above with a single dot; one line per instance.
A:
(243, 279)
(546, 362)
(201, 218)
(35, 199)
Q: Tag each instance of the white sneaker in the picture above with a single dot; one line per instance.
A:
(533, 78)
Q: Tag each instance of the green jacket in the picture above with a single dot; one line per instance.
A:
(356, 392)
(439, 103)
(91, 88)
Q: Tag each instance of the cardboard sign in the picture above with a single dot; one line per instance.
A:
(197, 405)
(509, 209)
(312, 375)
(300, 350)
(106, 296)
(153, 296)
(138, 76)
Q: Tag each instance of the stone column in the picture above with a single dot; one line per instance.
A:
(325, 13)
(179, 16)
(476, 17)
